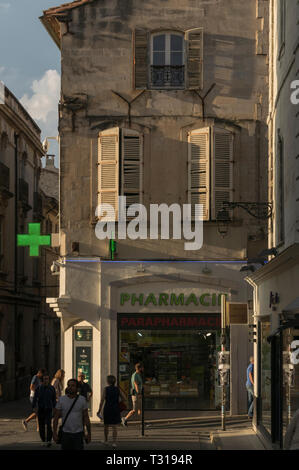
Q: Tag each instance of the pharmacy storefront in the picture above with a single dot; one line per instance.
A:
(166, 316)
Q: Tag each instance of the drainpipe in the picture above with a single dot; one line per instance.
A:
(16, 137)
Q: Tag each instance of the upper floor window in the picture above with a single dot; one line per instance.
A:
(120, 166)
(210, 169)
(167, 60)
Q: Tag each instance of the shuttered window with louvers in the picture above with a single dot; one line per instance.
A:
(222, 169)
(131, 167)
(108, 168)
(141, 59)
(194, 39)
(198, 170)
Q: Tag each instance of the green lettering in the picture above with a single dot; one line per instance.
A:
(177, 299)
(163, 299)
(202, 300)
(151, 299)
(124, 298)
(213, 300)
(192, 298)
(135, 299)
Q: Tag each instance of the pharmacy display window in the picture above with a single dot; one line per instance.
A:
(180, 363)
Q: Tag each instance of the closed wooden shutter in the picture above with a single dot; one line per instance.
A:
(194, 39)
(141, 59)
(199, 170)
(222, 168)
(108, 167)
(132, 166)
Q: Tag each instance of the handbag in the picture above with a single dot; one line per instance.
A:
(59, 435)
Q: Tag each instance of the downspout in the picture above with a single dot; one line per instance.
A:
(129, 103)
(16, 138)
(202, 98)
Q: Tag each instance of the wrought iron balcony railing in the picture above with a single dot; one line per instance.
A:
(167, 76)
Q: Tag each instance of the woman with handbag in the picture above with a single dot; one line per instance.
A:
(113, 406)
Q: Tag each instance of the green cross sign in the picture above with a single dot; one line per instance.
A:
(34, 239)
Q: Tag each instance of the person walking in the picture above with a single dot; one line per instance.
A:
(249, 387)
(111, 413)
(73, 410)
(57, 382)
(84, 388)
(44, 402)
(291, 440)
(35, 382)
(136, 393)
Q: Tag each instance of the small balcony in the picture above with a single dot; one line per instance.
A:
(167, 76)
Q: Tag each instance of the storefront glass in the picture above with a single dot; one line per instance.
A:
(290, 376)
(265, 376)
(179, 367)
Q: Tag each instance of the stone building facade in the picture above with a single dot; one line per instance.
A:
(161, 102)
(27, 329)
(276, 300)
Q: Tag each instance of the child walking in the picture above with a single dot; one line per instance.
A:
(111, 397)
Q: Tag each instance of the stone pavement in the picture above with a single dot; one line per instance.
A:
(241, 439)
(189, 433)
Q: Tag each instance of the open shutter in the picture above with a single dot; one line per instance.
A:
(140, 59)
(194, 39)
(108, 166)
(132, 167)
(222, 168)
(199, 170)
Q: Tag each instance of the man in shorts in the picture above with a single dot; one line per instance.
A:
(136, 392)
(35, 383)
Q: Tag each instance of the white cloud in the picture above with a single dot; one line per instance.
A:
(45, 97)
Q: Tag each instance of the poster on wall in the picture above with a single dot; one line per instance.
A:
(83, 361)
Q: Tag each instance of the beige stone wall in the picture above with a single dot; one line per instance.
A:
(97, 61)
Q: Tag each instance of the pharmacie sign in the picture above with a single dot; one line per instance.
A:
(206, 299)
(175, 321)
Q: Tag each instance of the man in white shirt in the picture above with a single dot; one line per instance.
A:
(73, 429)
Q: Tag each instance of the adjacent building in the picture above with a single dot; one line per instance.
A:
(29, 330)
(161, 102)
(276, 296)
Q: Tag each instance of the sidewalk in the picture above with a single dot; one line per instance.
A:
(241, 439)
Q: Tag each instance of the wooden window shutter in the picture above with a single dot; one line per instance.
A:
(199, 170)
(132, 166)
(108, 167)
(222, 168)
(140, 59)
(194, 39)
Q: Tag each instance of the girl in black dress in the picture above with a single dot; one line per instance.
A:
(111, 396)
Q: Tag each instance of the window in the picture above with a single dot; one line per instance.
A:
(120, 160)
(280, 191)
(210, 171)
(168, 60)
(281, 28)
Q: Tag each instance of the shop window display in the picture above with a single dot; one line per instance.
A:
(180, 369)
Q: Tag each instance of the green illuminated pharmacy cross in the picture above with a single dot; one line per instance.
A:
(34, 239)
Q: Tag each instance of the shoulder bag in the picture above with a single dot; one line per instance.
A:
(64, 421)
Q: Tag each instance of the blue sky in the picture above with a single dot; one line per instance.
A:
(30, 60)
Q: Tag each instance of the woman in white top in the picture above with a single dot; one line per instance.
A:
(57, 382)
